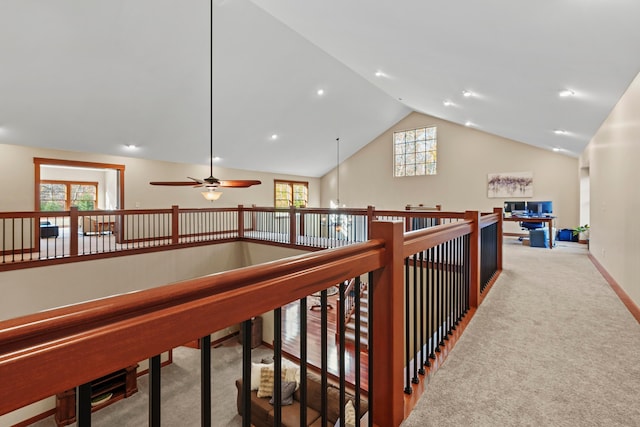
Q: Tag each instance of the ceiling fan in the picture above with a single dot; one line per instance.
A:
(211, 183)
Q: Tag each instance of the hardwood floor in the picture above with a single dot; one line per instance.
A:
(291, 341)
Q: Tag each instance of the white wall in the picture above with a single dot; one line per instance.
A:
(612, 157)
(465, 157)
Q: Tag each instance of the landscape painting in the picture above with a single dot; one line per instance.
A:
(510, 184)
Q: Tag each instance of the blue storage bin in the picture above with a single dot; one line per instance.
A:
(566, 234)
(539, 238)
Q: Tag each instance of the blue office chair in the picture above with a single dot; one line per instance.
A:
(526, 225)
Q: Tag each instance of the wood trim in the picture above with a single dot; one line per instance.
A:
(39, 161)
(631, 305)
(35, 418)
(139, 325)
(68, 185)
(388, 328)
(418, 240)
(474, 259)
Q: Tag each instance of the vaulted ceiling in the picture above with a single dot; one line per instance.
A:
(95, 75)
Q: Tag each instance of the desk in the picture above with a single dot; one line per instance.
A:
(543, 219)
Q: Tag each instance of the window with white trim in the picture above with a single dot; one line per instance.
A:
(415, 152)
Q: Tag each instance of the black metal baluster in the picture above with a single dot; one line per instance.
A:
(246, 373)
(423, 356)
(467, 271)
(456, 282)
(407, 342)
(357, 310)
(450, 288)
(342, 353)
(205, 381)
(277, 359)
(323, 357)
(441, 331)
(430, 310)
(154, 391)
(432, 304)
(415, 379)
(303, 361)
(371, 337)
(83, 405)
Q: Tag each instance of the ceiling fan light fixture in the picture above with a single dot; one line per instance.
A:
(212, 194)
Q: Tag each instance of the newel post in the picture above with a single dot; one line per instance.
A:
(388, 327)
(73, 225)
(370, 218)
(292, 225)
(240, 222)
(175, 224)
(499, 237)
(474, 258)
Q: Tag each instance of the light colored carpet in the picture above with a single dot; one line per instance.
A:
(180, 384)
(552, 345)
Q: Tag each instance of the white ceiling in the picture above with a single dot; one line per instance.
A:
(92, 76)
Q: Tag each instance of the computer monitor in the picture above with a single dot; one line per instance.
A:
(515, 206)
(540, 208)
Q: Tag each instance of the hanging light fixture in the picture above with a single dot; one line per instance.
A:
(338, 172)
(211, 194)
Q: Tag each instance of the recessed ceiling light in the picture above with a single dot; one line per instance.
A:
(556, 149)
(380, 74)
(216, 158)
(468, 123)
(274, 136)
(560, 132)
(447, 103)
(131, 146)
(320, 92)
(566, 92)
(467, 93)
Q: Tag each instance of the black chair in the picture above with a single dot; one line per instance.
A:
(48, 230)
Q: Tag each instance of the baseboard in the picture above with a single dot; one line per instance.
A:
(35, 418)
(624, 297)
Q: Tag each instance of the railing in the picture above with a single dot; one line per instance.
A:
(29, 239)
(490, 249)
(65, 347)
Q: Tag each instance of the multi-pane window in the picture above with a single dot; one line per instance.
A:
(415, 152)
(61, 195)
(291, 193)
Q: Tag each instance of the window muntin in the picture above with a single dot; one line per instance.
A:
(415, 152)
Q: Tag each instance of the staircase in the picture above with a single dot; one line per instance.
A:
(350, 325)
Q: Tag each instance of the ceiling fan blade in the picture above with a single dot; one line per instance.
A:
(174, 183)
(199, 181)
(239, 183)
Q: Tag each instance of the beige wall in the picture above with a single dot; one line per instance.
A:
(612, 157)
(17, 181)
(35, 289)
(465, 158)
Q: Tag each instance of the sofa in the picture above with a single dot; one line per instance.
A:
(262, 412)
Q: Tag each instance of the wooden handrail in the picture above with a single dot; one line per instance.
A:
(417, 240)
(72, 345)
